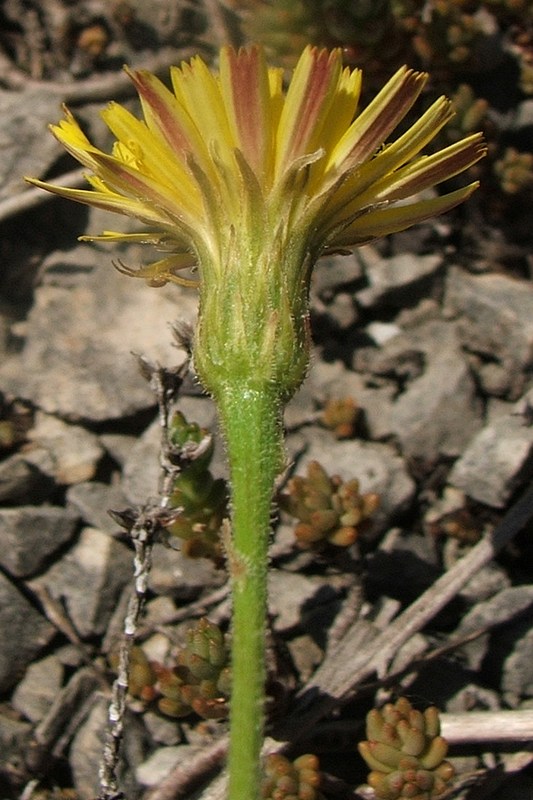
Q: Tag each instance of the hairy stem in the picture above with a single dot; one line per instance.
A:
(250, 420)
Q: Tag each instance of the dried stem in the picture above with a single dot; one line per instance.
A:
(488, 727)
(144, 526)
(142, 535)
(31, 198)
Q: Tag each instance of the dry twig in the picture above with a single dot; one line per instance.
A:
(143, 526)
(488, 727)
(31, 198)
(101, 87)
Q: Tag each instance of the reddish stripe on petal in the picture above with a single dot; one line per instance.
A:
(308, 101)
(372, 127)
(122, 178)
(383, 221)
(432, 170)
(244, 79)
(160, 108)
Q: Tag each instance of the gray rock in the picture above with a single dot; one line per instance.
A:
(25, 475)
(81, 367)
(115, 627)
(26, 149)
(393, 281)
(31, 535)
(517, 670)
(427, 309)
(306, 655)
(496, 408)
(74, 452)
(118, 445)
(152, 771)
(291, 593)
(141, 473)
(495, 315)
(381, 332)
(39, 687)
(158, 646)
(341, 310)
(377, 467)
(14, 737)
(93, 500)
(499, 379)
(333, 380)
(161, 729)
(86, 752)
(439, 412)
(23, 633)
(334, 272)
(70, 268)
(522, 116)
(523, 408)
(496, 461)
(405, 567)
(183, 578)
(89, 580)
(399, 360)
(158, 612)
(485, 583)
(473, 697)
(502, 608)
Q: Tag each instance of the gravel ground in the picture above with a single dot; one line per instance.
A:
(426, 337)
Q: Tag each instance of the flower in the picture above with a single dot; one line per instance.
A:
(248, 184)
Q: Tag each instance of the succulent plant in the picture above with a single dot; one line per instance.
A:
(526, 73)
(15, 421)
(54, 793)
(367, 30)
(142, 675)
(363, 23)
(515, 7)
(514, 171)
(470, 112)
(340, 416)
(406, 753)
(449, 36)
(284, 27)
(202, 497)
(291, 780)
(200, 681)
(330, 510)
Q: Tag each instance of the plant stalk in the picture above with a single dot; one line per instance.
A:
(250, 419)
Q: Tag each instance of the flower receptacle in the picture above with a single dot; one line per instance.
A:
(253, 328)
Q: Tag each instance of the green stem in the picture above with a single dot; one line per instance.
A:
(250, 420)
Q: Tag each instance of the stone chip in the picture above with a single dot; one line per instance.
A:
(23, 633)
(31, 535)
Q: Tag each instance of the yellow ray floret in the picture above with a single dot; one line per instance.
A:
(229, 162)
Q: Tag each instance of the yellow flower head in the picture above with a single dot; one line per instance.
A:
(249, 183)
